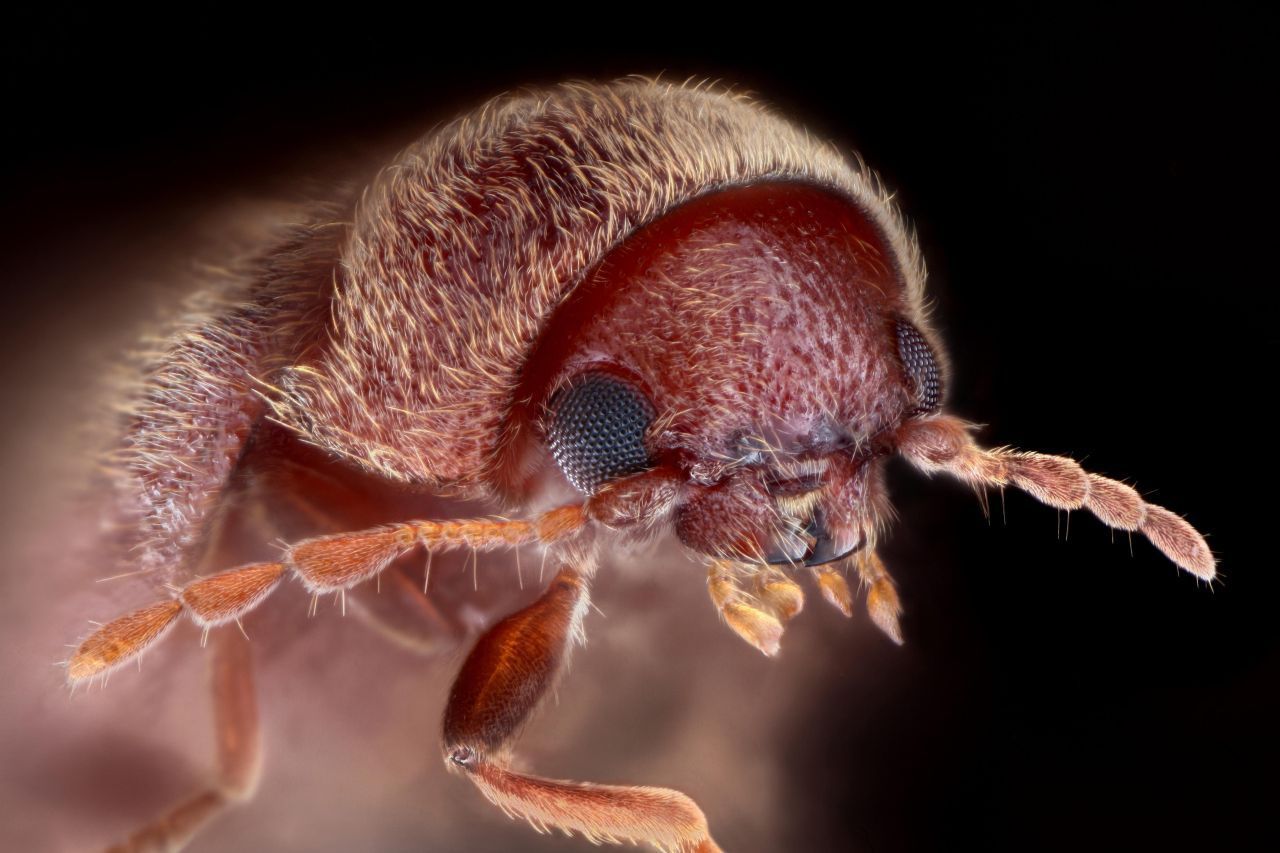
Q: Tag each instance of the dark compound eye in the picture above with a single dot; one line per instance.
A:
(922, 366)
(597, 430)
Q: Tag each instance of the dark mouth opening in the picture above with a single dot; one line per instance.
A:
(818, 555)
(819, 548)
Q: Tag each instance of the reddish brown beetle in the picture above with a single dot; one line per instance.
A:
(612, 308)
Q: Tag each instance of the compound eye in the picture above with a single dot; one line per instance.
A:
(596, 430)
(922, 367)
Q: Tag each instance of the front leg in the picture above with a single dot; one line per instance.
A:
(504, 678)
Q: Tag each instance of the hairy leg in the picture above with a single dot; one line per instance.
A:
(502, 682)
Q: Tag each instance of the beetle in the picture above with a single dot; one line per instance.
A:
(614, 309)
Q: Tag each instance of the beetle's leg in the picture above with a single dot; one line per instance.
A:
(882, 595)
(323, 564)
(239, 753)
(744, 613)
(944, 443)
(511, 668)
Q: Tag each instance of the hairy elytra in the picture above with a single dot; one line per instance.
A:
(754, 289)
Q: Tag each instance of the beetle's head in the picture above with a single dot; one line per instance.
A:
(760, 348)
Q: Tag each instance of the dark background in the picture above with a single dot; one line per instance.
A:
(1093, 201)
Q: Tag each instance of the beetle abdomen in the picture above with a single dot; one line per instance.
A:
(467, 244)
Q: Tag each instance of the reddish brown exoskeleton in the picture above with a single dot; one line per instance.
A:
(612, 308)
